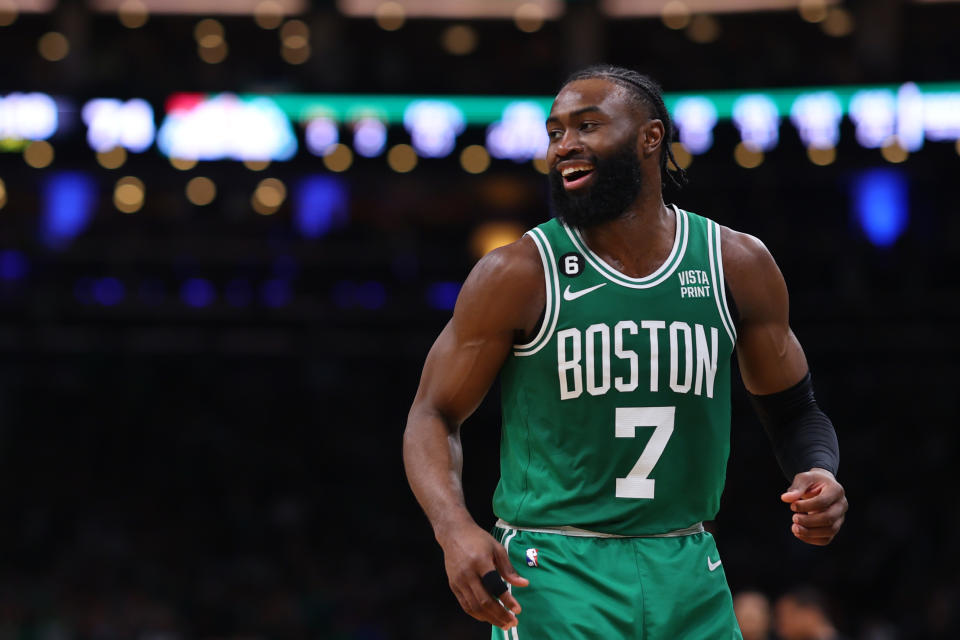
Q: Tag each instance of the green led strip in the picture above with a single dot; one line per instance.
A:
(484, 110)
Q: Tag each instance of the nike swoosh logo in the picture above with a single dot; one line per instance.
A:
(713, 565)
(573, 295)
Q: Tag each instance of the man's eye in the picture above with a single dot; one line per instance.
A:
(587, 126)
(555, 134)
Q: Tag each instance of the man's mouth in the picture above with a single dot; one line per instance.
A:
(576, 175)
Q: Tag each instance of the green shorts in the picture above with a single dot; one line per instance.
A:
(598, 588)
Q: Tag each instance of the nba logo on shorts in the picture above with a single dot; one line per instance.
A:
(532, 558)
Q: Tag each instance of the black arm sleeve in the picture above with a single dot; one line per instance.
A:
(802, 435)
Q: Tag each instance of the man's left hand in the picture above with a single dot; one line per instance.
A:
(818, 503)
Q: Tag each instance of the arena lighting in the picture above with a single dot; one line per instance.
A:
(369, 137)
(817, 119)
(254, 127)
(880, 205)
(652, 8)
(339, 158)
(276, 292)
(69, 199)
(695, 117)
(493, 235)
(225, 127)
(204, 7)
(443, 295)
(520, 134)
(38, 154)
(27, 116)
(13, 265)
(402, 158)
(320, 204)
(53, 46)
(485, 110)
(910, 117)
(478, 9)
(758, 120)
(874, 112)
(108, 291)
(388, 108)
(114, 123)
(434, 126)
(321, 135)
(198, 292)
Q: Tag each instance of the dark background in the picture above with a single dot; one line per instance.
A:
(177, 472)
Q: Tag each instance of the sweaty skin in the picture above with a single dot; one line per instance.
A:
(502, 299)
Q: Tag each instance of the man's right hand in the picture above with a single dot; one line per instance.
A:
(469, 552)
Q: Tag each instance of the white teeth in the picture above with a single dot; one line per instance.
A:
(568, 170)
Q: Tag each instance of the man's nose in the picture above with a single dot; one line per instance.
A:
(569, 144)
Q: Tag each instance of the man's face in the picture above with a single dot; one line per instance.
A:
(593, 154)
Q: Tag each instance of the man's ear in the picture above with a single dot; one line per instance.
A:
(650, 137)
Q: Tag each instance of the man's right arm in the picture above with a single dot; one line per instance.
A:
(502, 297)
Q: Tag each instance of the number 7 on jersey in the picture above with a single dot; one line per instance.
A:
(638, 484)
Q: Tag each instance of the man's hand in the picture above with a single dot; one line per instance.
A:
(819, 504)
(468, 553)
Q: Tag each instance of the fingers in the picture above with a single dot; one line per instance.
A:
(820, 526)
(510, 602)
(481, 605)
(823, 518)
(800, 489)
(823, 500)
(507, 572)
(817, 535)
(468, 558)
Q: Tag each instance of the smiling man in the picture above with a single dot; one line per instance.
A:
(612, 328)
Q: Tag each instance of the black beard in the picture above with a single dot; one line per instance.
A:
(617, 186)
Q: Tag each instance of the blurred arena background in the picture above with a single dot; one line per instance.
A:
(230, 231)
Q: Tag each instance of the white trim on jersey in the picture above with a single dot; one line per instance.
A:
(663, 272)
(552, 282)
(723, 289)
(718, 286)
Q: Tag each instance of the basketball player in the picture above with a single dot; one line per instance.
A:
(612, 329)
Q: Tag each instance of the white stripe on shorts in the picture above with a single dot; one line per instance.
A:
(506, 546)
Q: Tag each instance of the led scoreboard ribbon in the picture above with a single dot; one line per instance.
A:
(261, 126)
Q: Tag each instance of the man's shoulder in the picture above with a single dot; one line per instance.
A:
(742, 248)
(512, 272)
(739, 250)
(519, 259)
(752, 274)
(505, 289)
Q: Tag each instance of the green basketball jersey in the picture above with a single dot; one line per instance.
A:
(616, 416)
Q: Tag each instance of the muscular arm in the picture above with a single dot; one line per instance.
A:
(502, 297)
(770, 356)
(775, 372)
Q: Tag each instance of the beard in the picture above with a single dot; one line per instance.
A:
(618, 183)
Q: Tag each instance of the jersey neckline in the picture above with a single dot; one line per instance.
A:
(662, 272)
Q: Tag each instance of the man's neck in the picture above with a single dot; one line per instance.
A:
(637, 242)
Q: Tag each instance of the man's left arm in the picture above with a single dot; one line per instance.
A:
(775, 372)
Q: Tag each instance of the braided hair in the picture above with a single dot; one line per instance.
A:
(644, 90)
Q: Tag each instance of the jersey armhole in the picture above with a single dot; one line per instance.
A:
(719, 284)
(552, 287)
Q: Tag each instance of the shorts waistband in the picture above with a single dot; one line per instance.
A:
(586, 533)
